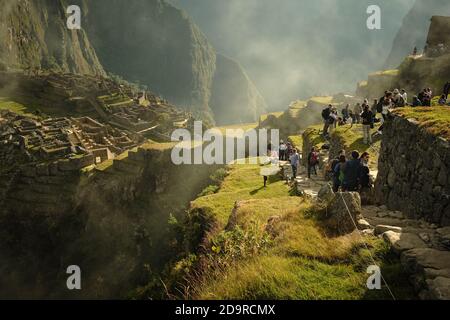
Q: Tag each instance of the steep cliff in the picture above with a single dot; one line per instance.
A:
(34, 35)
(413, 32)
(234, 97)
(111, 221)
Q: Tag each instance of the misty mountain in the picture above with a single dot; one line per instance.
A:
(145, 41)
(414, 30)
(156, 44)
(34, 35)
(298, 48)
(234, 94)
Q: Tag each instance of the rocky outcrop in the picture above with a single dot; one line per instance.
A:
(413, 32)
(342, 213)
(414, 177)
(232, 89)
(34, 36)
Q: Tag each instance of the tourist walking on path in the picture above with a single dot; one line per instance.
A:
(313, 161)
(295, 161)
(338, 177)
(357, 112)
(367, 122)
(351, 173)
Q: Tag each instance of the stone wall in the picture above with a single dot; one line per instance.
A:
(414, 172)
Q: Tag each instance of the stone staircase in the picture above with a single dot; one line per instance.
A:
(423, 248)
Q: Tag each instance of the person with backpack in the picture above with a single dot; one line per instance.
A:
(367, 123)
(326, 119)
(313, 161)
(338, 178)
(351, 172)
(332, 164)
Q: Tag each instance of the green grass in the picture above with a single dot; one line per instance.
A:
(242, 183)
(435, 120)
(322, 100)
(314, 136)
(351, 138)
(296, 141)
(299, 262)
(392, 72)
(7, 104)
(243, 126)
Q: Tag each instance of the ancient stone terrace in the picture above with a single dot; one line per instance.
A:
(58, 138)
(103, 141)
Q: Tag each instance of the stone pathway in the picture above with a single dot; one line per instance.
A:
(423, 248)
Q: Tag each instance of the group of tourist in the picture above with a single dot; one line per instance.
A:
(352, 174)
(285, 151)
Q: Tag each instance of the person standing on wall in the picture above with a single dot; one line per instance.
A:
(367, 122)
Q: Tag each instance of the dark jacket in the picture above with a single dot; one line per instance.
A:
(367, 117)
(364, 177)
(351, 174)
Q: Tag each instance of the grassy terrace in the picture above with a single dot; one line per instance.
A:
(351, 138)
(393, 73)
(435, 120)
(295, 259)
(7, 104)
(243, 126)
(322, 100)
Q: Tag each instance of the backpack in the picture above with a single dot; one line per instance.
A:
(314, 158)
(380, 106)
(326, 113)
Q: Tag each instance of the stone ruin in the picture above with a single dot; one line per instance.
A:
(28, 139)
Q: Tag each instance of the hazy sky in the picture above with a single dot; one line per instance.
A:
(298, 48)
